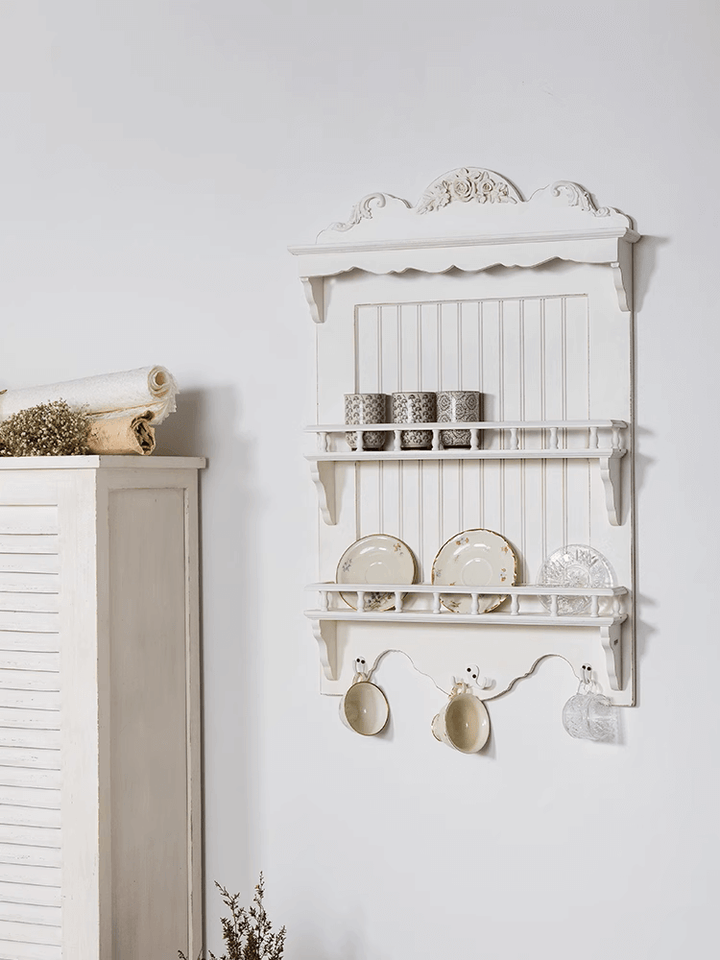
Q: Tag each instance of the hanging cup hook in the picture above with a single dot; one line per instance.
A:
(361, 669)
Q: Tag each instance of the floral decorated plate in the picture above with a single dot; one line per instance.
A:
(575, 565)
(378, 558)
(474, 558)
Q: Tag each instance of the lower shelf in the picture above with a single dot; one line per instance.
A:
(504, 646)
(477, 620)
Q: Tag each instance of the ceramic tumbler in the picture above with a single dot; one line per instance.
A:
(463, 723)
(453, 406)
(366, 408)
(414, 407)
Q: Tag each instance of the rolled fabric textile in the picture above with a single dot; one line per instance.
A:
(122, 435)
(145, 390)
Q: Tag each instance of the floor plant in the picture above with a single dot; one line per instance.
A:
(247, 932)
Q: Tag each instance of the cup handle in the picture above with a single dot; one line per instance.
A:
(435, 722)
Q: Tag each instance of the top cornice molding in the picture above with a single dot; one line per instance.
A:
(473, 218)
(471, 201)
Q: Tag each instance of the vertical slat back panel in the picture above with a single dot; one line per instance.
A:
(530, 359)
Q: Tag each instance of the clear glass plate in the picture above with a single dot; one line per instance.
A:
(575, 565)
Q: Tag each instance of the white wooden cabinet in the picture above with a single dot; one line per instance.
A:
(100, 831)
(530, 303)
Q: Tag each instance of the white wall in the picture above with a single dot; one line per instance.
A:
(155, 160)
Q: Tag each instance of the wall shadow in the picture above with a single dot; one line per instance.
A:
(230, 504)
(645, 257)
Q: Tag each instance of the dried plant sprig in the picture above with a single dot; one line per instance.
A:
(247, 932)
(46, 430)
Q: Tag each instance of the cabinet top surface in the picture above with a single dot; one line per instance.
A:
(95, 462)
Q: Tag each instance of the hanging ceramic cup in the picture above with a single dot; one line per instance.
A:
(589, 714)
(414, 407)
(364, 708)
(454, 406)
(463, 723)
(366, 408)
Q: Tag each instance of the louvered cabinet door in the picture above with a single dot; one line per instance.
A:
(30, 775)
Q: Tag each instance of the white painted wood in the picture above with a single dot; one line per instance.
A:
(100, 855)
(30, 894)
(147, 556)
(28, 519)
(38, 562)
(455, 226)
(37, 642)
(18, 950)
(21, 545)
(32, 602)
(404, 299)
(91, 462)
(29, 660)
(29, 815)
(12, 581)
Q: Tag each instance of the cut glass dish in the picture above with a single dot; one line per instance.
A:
(575, 565)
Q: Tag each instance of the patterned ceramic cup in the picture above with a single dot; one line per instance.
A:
(366, 408)
(414, 408)
(453, 406)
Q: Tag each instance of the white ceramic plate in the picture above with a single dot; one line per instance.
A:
(378, 558)
(575, 565)
(474, 558)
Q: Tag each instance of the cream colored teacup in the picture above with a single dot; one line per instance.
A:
(364, 708)
(463, 723)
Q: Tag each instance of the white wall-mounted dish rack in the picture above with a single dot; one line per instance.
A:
(529, 302)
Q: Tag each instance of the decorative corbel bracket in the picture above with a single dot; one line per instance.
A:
(611, 637)
(323, 476)
(623, 275)
(314, 288)
(325, 632)
(610, 474)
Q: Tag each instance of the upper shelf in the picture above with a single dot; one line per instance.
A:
(470, 219)
(518, 440)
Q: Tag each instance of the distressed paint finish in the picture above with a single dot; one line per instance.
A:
(527, 302)
(100, 853)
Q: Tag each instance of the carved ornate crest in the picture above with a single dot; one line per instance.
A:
(361, 211)
(467, 184)
(577, 197)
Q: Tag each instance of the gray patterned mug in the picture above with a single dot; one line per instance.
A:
(453, 406)
(414, 407)
(366, 408)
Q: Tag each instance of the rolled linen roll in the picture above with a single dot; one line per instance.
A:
(146, 390)
(122, 435)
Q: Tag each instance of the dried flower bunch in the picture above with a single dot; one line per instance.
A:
(46, 430)
(248, 932)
